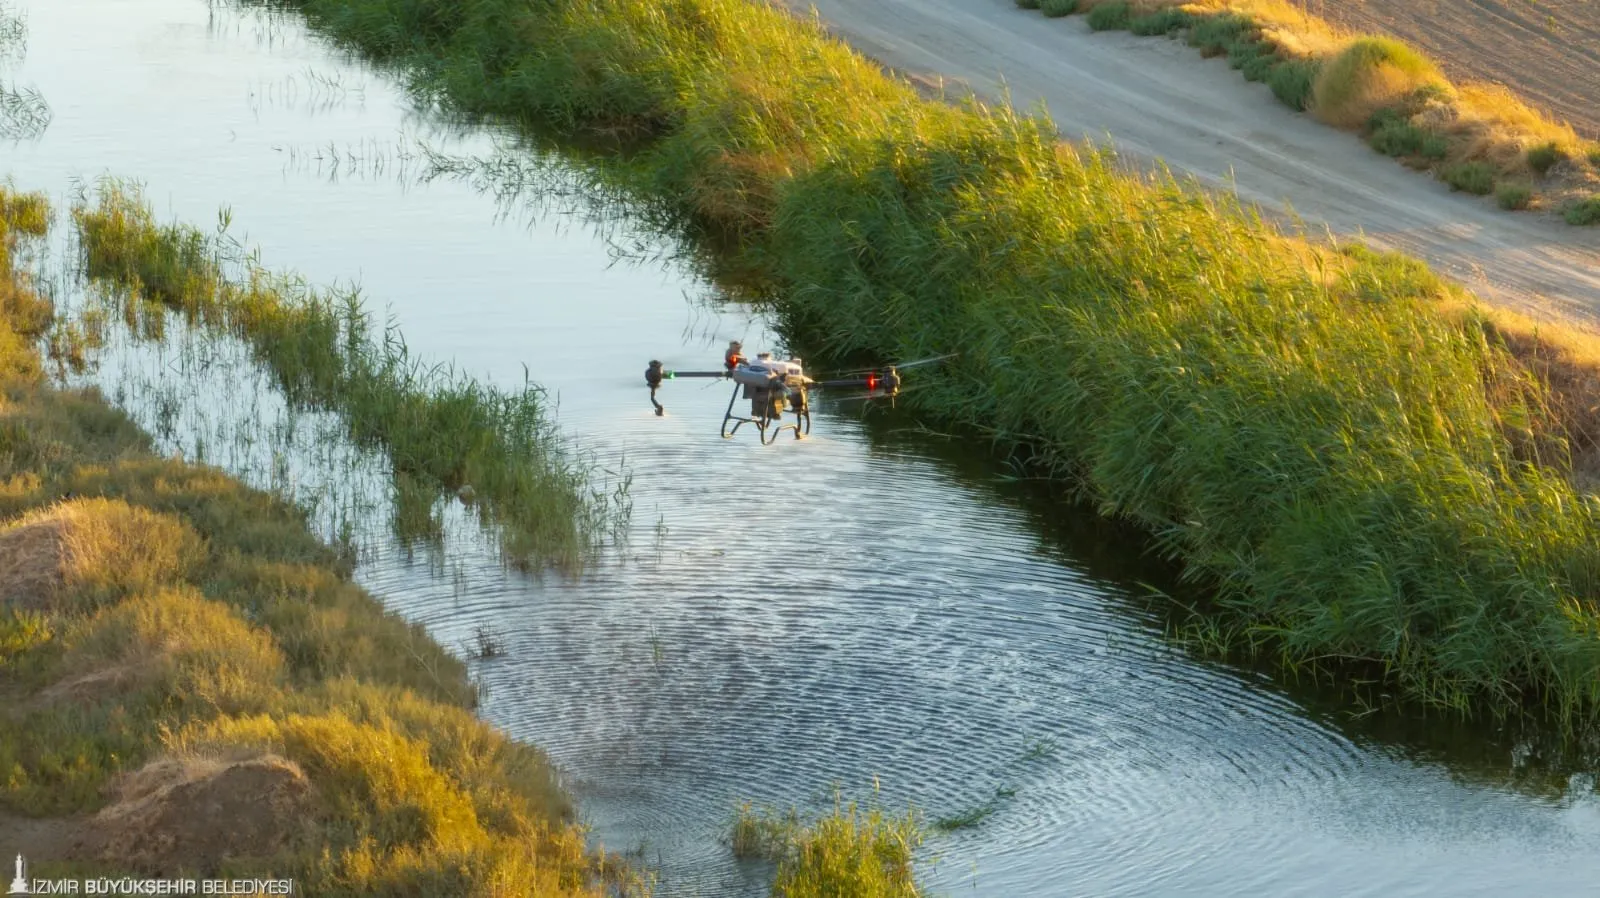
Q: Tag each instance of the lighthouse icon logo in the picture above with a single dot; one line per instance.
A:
(19, 884)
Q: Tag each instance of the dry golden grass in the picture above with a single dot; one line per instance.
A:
(91, 550)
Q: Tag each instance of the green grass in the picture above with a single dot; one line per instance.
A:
(1594, 157)
(1292, 81)
(1162, 22)
(1028, 4)
(1476, 178)
(1513, 196)
(1584, 212)
(1391, 134)
(848, 853)
(1114, 16)
(1347, 465)
(1055, 9)
(439, 427)
(192, 618)
(1544, 157)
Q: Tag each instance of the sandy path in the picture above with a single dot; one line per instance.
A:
(1158, 99)
(1548, 52)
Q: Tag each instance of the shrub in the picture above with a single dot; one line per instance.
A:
(1111, 17)
(1055, 9)
(1394, 136)
(1215, 35)
(1165, 21)
(1586, 212)
(1292, 81)
(1594, 157)
(1369, 74)
(1544, 157)
(1471, 177)
(1513, 196)
(1028, 4)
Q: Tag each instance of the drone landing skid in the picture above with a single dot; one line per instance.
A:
(766, 419)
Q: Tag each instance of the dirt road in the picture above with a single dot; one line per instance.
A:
(1158, 99)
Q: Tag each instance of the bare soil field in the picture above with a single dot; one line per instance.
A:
(1548, 51)
(1158, 100)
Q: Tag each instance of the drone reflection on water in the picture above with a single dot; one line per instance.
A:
(863, 606)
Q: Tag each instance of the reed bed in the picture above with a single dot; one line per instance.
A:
(192, 684)
(1475, 137)
(443, 431)
(1343, 446)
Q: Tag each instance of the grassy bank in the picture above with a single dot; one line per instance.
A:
(192, 683)
(1370, 471)
(446, 434)
(1477, 138)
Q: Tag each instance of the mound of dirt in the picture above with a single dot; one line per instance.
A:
(192, 813)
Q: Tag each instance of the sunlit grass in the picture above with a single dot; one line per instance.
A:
(849, 853)
(173, 642)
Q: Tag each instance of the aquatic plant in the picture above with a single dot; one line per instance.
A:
(855, 852)
(498, 451)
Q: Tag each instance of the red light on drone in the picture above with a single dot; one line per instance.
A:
(872, 381)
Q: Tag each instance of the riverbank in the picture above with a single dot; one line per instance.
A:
(1364, 465)
(193, 683)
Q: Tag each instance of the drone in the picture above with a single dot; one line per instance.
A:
(778, 387)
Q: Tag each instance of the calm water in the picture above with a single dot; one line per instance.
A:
(857, 608)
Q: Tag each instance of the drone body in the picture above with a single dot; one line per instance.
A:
(774, 388)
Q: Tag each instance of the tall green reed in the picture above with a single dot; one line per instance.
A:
(497, 450)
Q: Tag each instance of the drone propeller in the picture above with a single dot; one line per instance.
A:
(880, 395)
(915, 363)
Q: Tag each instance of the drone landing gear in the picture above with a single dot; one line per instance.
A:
(766, 409)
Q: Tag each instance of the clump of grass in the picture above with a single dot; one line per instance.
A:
(847, 852)
(1055, 9)
(1584, 212)
(1370, 74)
(1513, 196)
(1163, 21)
(1028, 4)
(1216, 35)
(1114, 16)
(766, 835)
(1392, 134)
(485, 644)
(1594, 157)
(1544, 157)
(1471, 177)
(438, 426)
(1293, 81)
